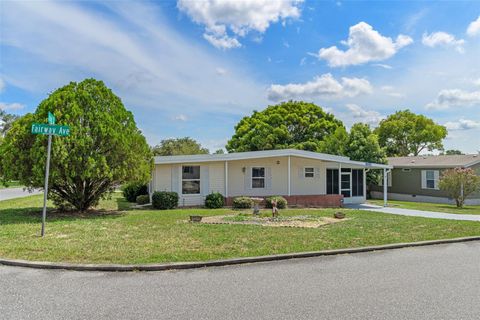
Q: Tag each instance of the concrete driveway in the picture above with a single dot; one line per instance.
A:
(12, 193)
(416, 213)
(435, 282)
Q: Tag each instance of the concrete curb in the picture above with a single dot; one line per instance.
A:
(218, 263)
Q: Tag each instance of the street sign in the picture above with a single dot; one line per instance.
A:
(56, 130)
(51, 130)
(51, 118)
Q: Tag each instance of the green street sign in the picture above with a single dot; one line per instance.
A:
(41, 128)
(51, 118)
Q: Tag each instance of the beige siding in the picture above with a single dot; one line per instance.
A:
(237, 177)
(163, 177)
(217, 177)
(307, 186)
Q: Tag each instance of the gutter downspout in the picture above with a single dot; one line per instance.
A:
(385, 186)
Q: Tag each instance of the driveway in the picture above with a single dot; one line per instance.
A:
(12, 193)
(416, 213)
(435, 282)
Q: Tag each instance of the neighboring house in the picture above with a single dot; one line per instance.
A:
(302, 177)
(417, 178)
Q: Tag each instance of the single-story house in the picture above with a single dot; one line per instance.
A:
(304, 178)
(417, 178)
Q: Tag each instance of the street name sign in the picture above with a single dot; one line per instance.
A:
(56, 130)
(51, 118)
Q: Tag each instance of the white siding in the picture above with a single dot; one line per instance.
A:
(217, 177)
(308, 186)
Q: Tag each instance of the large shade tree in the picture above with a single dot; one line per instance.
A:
(405, 133)
(292, 124)
(178, 146)
(6, 120)
(105, 147)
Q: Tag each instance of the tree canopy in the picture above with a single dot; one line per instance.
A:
(105, 148)
(6, 120)
(179, 146)
(459, 183)
(405, 133)
(292, 124)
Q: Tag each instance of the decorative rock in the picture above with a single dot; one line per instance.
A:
(195, 218)
(339, 215)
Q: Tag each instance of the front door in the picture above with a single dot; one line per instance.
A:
(346, 182)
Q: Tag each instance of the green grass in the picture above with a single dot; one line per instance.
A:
(11, 184)
(117, 234)
(438, 207)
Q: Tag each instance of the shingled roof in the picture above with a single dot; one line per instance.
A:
(442, 161)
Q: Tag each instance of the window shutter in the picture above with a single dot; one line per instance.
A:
(176, 181)
(301, 174)
(389, 179)
(248, 178)
(436, 174)
(204, 180)
(268, 178)
(317, 173)
(424, 179)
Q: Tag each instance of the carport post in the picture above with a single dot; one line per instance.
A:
(385, 187)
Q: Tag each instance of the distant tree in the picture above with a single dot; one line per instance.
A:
(6, 121)
(292, 124)
(335, 143)
(179, 146)
(405, 133)
(459, 183)
(362, 145)
(219, 151)
(105, 147)
(453, 152)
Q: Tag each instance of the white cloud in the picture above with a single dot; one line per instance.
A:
(455, 98)
(462, 124)
(11, 106)
(443, 39)
(364, 45)
(381, 65)
(220, 71)
(324, 86)
(180, 117)
(474, 28)
(476, 82)
(239, 17)
(369, 117)
(389, 90)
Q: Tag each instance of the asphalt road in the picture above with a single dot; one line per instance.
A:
(12, 193)
(435, 282)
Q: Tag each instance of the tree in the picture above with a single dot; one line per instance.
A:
(405, 133)
(219, 151)
(335, 143)
(452, 152)
(459, 183)
(362, 145)
(293, 124)
(105, 148)
(6, 120)
(178, 146)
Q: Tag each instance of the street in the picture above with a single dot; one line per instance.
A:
(434, 282)
(12, 193)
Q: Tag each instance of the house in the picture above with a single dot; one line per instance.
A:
(417, 178)
(304, 178)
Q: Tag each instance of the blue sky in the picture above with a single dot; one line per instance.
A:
(194, 68)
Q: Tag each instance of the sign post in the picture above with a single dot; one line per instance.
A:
(49, 129)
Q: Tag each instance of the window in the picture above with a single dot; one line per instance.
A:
(309, 172)
(430, 179)
(258, 178)
(357, 183)
(191, 180)
(332, 181)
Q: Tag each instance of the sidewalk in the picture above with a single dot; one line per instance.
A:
(12, 193)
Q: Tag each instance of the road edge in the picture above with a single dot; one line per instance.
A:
(224, 262)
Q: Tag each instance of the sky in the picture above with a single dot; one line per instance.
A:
(195, 68)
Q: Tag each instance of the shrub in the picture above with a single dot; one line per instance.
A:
(143, 199)
(242, 203)
(214, 200)
(281, 202)
(164, 200)
(132, 190)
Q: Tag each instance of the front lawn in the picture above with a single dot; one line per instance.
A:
(120, 235)
(438, 207)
